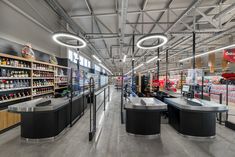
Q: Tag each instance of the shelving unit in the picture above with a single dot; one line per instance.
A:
(8, 66)
(43, 78)
(61, 78)
(9, 100)
(50, 92)
(43, 86)
(58, 75)
(43, 70)
(14, 89)
(15, 78)
(61, 87)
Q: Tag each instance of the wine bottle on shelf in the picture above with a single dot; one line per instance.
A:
(11, 85)
(5, 97)
(4, 61)
(7, 62)
(3, 84)
(11, 96)
(8, 73)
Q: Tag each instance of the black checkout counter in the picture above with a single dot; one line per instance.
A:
(193, 117)
(143, 115)
(47, 118)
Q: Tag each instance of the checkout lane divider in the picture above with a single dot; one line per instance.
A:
(96, 130)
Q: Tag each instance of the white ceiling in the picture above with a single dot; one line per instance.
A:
(152, 16)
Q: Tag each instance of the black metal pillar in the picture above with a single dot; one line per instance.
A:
(158, 64)
(133, 66)
(104, 98)
(202, 93)
(122, 119)
(227, 99)
(194, 49)
(194, 52)
(181, 82)
(166, 65)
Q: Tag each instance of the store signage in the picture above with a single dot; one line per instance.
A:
(73, 56)
(229, 55)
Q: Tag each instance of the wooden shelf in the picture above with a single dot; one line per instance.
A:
(62, 82)
(60, 66)
(61, 75)
(15, 78)
(43, 70)
(45, 63)
(14, 89)
(61, 87)
(43, 86)
(43, 93)
(43, 78)
(9, 66)
(15, 57)
(4, 101)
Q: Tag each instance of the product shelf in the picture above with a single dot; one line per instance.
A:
(15, 78)
(43, 86)
(43, 78)
(4, 101)
(61, 87)
(43, 93)
(14, 89)
(52, 71)
(13, 67)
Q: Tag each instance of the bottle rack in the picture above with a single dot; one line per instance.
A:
(61, 78)
(22, 78)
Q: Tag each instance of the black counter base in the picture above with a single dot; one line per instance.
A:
(48, 124)
(199, 124)
(143, 123)
(230, 125)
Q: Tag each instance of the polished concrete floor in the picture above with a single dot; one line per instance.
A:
(115, 142)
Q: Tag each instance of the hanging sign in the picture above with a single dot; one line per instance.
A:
(229, 55)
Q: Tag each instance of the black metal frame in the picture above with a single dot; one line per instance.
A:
(91, 95)
(93, 108)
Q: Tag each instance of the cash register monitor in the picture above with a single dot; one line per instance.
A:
(186, 88)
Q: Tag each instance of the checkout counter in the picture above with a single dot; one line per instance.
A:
(193, 117)
(47, 118)
(161, 95)
(143, 115)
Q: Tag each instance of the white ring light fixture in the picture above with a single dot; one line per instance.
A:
(56, 37)
(156, 36)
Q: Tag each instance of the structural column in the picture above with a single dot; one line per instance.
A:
(133, 66)
(166, 66)
(158, 68)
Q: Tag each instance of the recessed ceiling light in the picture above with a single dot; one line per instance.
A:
(156, 36)
(57, 36)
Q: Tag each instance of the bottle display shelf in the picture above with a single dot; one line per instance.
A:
(14, 89)
(15, 99)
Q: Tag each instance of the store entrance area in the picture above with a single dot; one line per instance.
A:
(115, 141)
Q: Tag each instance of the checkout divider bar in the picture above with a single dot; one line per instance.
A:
(94, 96)
(220, 101)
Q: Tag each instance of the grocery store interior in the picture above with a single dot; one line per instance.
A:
(117, 78)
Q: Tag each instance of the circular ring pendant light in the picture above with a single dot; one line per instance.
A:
(60, 35)
(163, 41)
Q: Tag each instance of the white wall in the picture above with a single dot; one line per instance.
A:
(17, 28)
